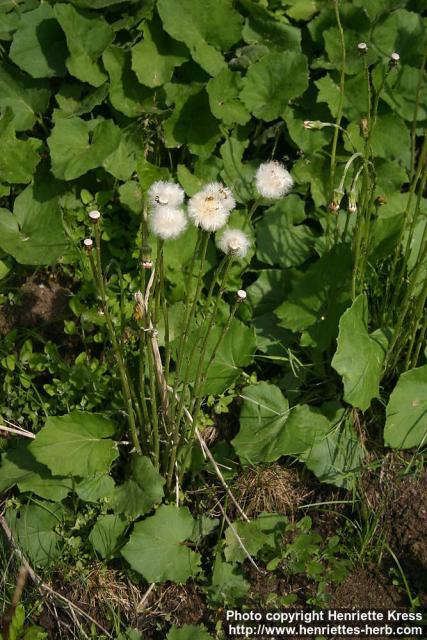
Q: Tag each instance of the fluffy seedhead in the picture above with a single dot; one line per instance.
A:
(272, 180)
(167, 222)
(165, 194)
(234, 242)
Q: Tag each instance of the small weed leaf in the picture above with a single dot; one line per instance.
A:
(96, 488)
(157, 549)
(406, 413)
(189, 632)
(228, 586)
(260, 537)
(76, 444)
(359, 357)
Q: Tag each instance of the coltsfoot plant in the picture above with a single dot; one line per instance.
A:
(164, 392)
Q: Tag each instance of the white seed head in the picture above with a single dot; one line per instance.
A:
(241, 295)
(88, 243)
(167, 222)
(272, 180)
(207, 208)
(362, 47)
(394, 58)
(221, 193)
(94, 215)
(234, 242)
(167, 194)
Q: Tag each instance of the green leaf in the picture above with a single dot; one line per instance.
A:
(359, 356)
(314, 171)
(76, 444)
(236, 173)
(39, 45)
(157, 550)
(106, 533)
(33, 527)
(318, 299)
(155, 58)
(262, 294)
(260, 535)
(225, 104)
(126, 94)
(279, 240)
(400, 93)
(74, 99)
(189, 632)
(228, 586)
(26, 97)
(141, 492)
(34, 233)
(19, 467)
(269, 429)
(235, 351)
(263, 27)
(272, 81)
(191, 122)
(77, 146)
(205, 26)
(336, 458)
(406, 413)
(262, 423)
(18, 159)
(96, 488)
(87, 37)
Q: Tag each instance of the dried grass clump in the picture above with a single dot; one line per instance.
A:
(273, 489)
(100, 591)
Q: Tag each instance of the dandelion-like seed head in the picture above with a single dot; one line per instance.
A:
(234, 242)
(241, 295)
(167, 222)
(222, 194)
(272, 180)
(166, 194)
(209, 209)
(88, 243)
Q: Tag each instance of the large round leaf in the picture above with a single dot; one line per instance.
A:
(39, 45)
(76, 444)
(204, 26)
(406, 421)
(272, 82)
(157, 549)
(34, 233)
(269, 429)
(359, 357)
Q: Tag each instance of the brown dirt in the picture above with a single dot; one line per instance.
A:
(170, 604)
(39, 302)
(407, 523)
(364, 589)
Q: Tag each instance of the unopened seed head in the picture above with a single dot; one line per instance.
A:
(234, 242)
(94, 215)
(88, 243)
(167, 222)
(166, 194)
(272, 180)
(362, 47)
(241, 294)
(394, 58)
